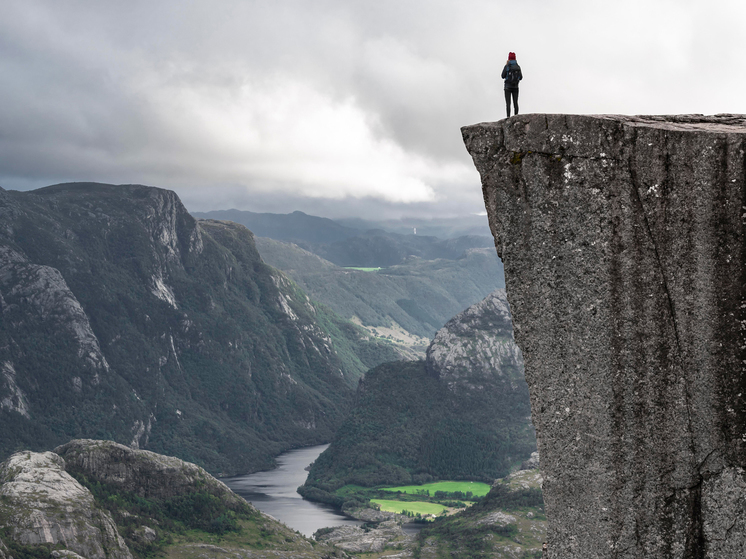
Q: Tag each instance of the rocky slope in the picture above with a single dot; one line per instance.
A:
(103, 500)
(623, 243)
(41, 503)
(122, 317)
(461, 414)
(477, 347)
(509, 523)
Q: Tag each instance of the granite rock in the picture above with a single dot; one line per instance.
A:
(358, 540)
(145, 473)
(41, 503)
(476, 346)
(623, 245)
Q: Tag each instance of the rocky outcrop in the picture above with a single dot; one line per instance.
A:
(43, 506)
(144, 473)
(41, 503)
(37, 297)
(623, 245)
(358, 540)
(477, 346)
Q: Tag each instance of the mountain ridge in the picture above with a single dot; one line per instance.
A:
(125, 318)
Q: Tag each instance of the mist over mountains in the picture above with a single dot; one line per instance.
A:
(411, 285)
(364, 243)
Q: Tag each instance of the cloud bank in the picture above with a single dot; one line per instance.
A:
(331, 104)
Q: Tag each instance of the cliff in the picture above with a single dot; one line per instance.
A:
(123, 317)
(623, 245)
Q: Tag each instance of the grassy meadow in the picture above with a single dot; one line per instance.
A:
(476, 488)
(416, 507)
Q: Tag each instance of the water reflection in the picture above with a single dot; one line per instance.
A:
(274, 493)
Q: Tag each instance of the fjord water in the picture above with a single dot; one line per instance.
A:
(274, 493)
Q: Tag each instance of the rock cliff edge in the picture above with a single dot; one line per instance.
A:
(623, 245)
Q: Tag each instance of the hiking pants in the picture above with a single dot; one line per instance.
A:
(508, 93)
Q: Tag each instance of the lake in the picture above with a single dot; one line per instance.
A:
(274, 493)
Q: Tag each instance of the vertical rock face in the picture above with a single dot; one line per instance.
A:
(623, 245)
(123, 317)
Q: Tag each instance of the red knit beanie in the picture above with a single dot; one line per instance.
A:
(511, 56)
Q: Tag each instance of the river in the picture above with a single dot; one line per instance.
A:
(274, 492)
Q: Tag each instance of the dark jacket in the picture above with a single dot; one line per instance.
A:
(511, 65)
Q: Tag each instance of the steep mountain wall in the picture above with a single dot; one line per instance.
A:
(623, 245)
(122, 317)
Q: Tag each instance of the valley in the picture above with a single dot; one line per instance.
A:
(196, 339)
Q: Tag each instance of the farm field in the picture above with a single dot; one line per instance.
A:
(420, 507)
(476, 488)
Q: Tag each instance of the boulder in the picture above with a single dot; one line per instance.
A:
(623, 243)
(40, 503)
(145, 473)
(358, 540)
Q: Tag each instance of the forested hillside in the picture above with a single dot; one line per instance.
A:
(464, 413)
(124, 318)
(418, 296)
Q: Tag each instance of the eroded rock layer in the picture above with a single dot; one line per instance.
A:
(623, 245)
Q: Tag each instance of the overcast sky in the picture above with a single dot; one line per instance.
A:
(334, 107)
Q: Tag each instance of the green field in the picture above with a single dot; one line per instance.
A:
(412, 506)
(478, 489)
(362, 269)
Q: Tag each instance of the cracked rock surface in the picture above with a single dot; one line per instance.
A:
(623, 245)
(41, 503)
(357, 540)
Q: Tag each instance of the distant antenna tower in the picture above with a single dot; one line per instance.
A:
(415, 230)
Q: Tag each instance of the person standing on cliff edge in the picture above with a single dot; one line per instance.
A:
(512, 75)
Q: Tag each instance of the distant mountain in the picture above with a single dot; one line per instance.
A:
(443, 228)
(293, 227)
(122, 317)
(378, 248)
(463, 413)
(408, 302)
(348, 246)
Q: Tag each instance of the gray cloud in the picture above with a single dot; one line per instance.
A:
(331, 104)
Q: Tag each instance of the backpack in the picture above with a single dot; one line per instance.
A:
(513, 76)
